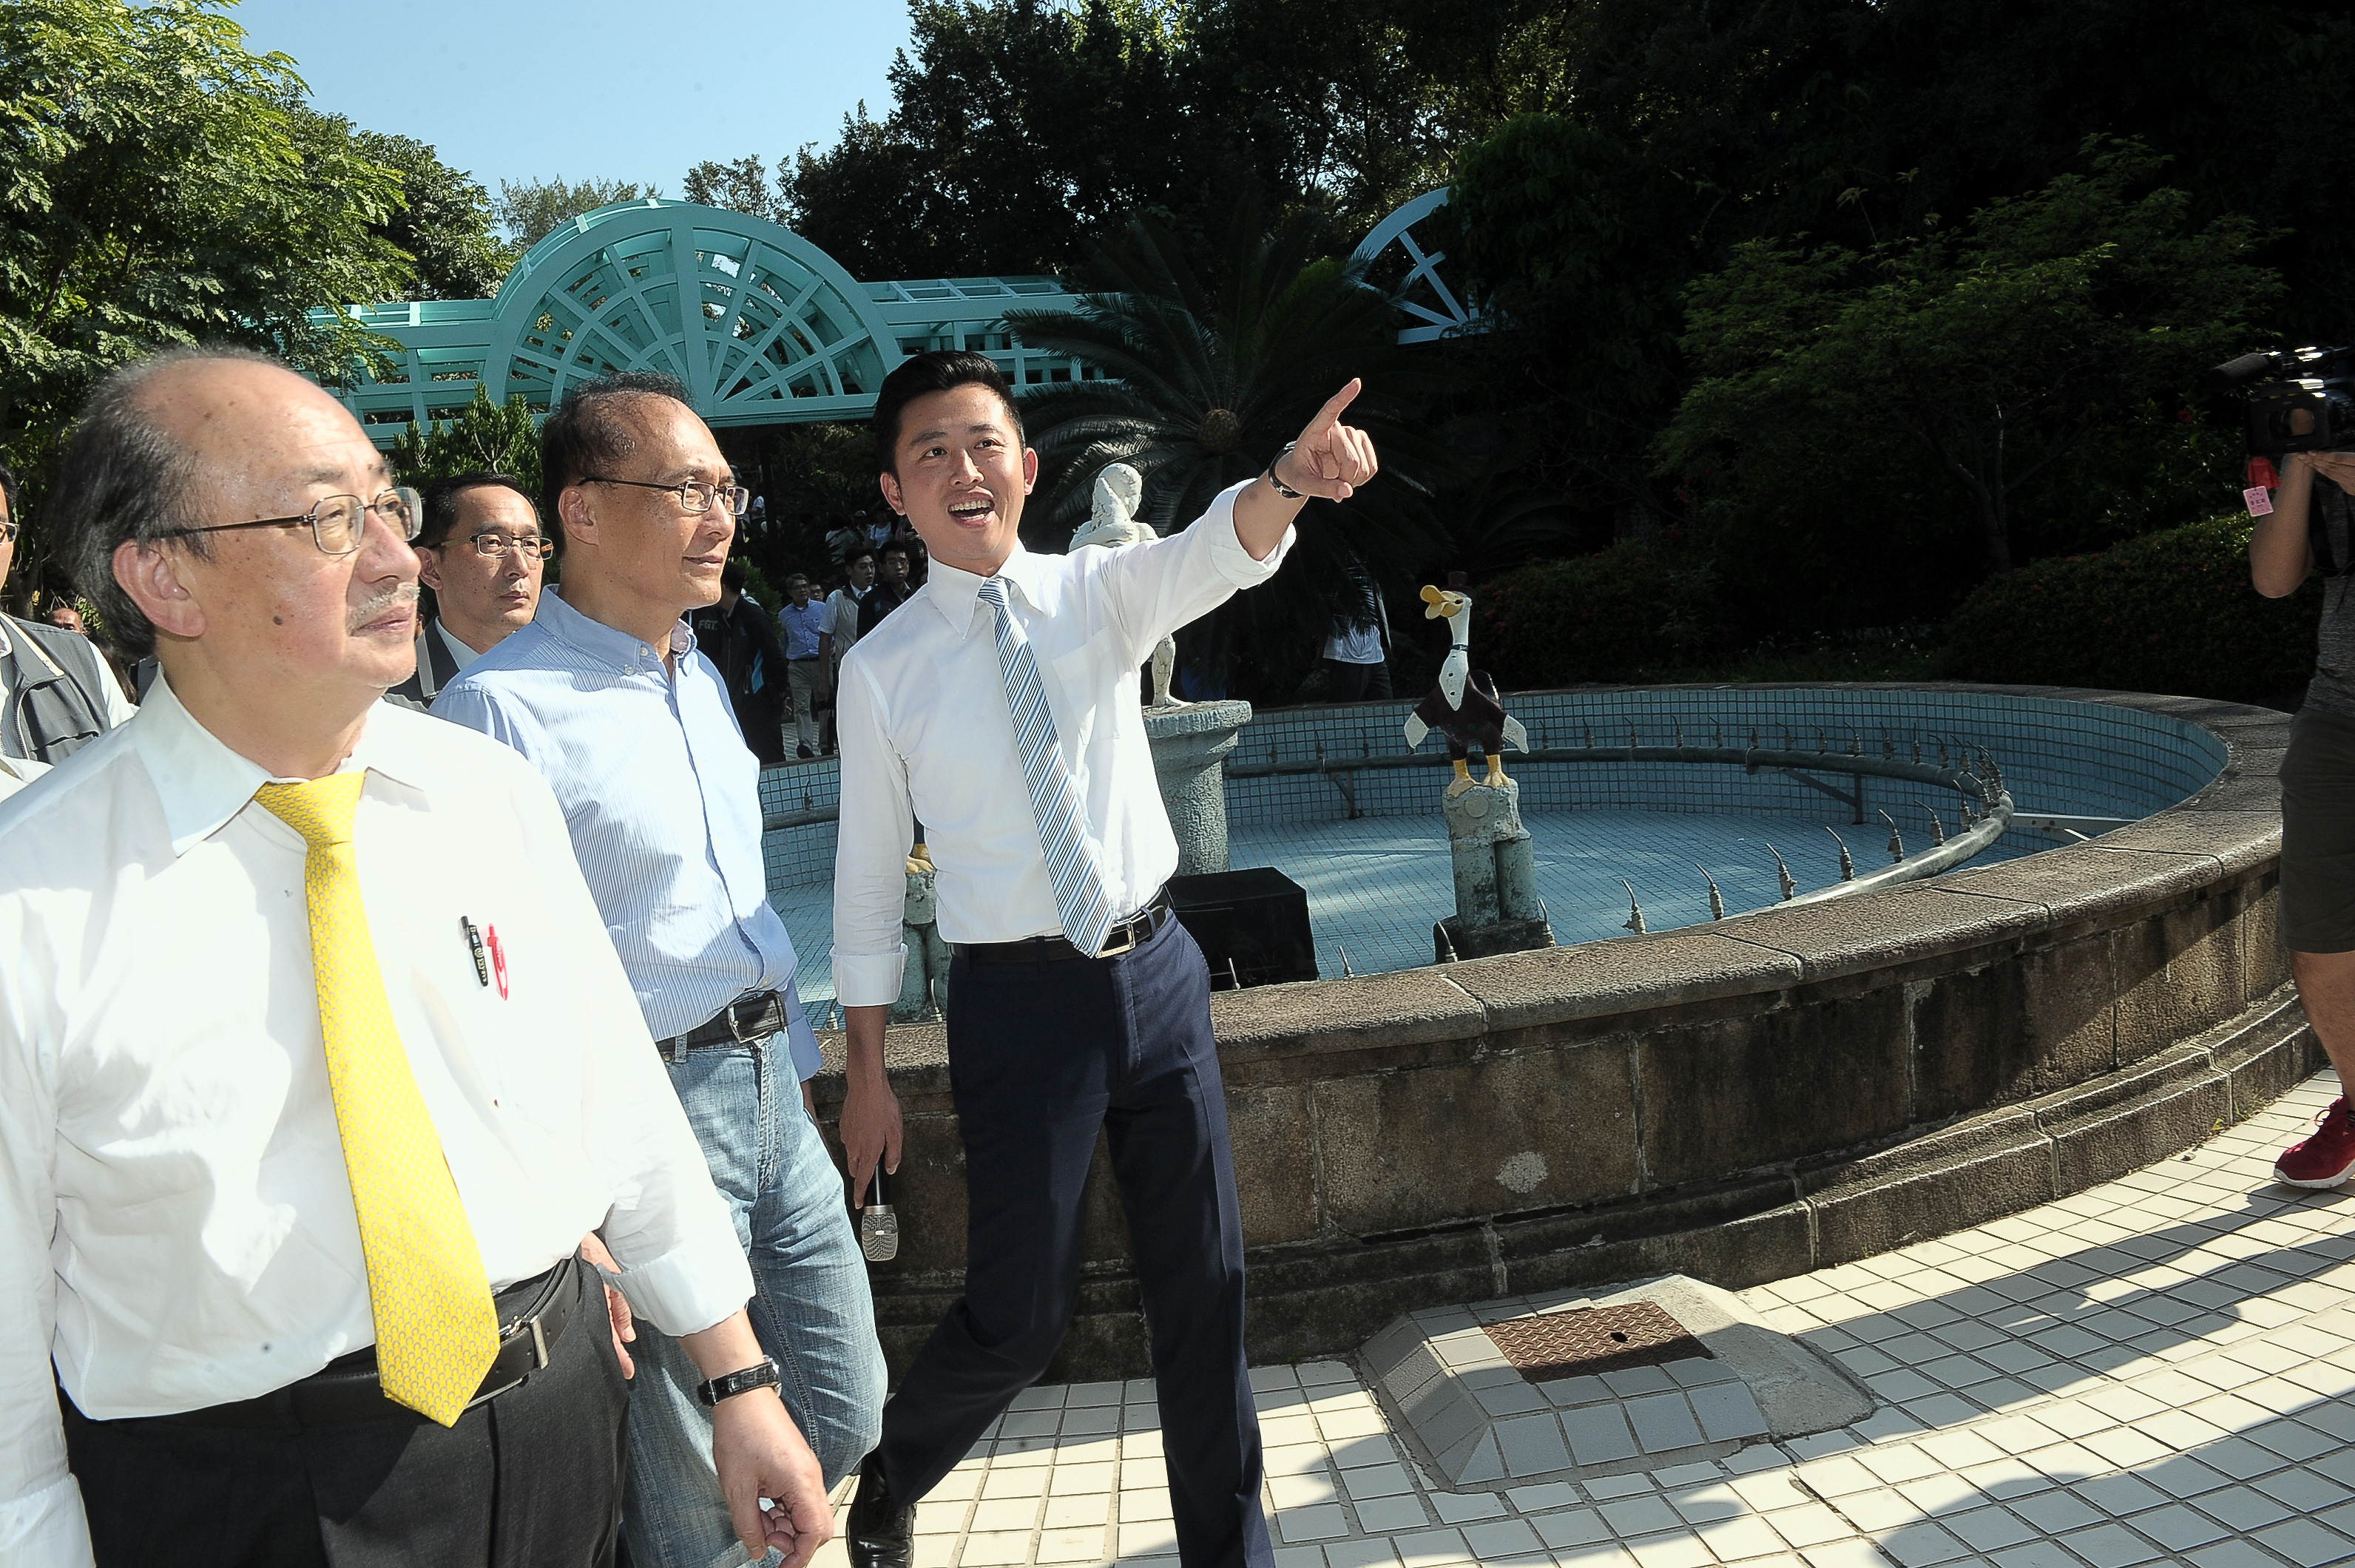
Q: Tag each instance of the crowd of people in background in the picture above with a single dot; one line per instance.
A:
(780, 665)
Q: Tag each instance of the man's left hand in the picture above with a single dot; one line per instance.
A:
(617, 1306)
(759, 1453)
(1330, 459)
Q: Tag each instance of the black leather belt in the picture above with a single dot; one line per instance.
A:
(347, 1390)
(755, 1014)
(1134, 932)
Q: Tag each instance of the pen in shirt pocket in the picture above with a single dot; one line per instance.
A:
(475, 945)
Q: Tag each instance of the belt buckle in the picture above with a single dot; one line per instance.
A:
(735, 1022)
(1124, 940)
(538, 1360)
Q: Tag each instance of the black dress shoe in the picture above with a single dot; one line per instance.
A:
(881, 1531)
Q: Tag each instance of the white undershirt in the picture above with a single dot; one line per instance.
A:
(451, 640)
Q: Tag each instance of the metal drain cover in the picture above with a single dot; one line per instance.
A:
(1590, 1342)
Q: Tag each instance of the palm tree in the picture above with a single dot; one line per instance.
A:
(1201, 388)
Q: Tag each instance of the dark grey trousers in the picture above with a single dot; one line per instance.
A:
(530, 1479)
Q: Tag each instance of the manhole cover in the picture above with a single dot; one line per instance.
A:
(1592, 1340)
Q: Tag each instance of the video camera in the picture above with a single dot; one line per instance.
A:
(2306, 404)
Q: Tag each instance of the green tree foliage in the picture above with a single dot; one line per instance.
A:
(443, 221)
(1021, 132)
(1021, 129)
(1204, 382)
(739, 186)
(484, 437)
(812, 476)
(161, 185)
(1617, 614)
(2171, 611)
(1995, 347)
(529, 209)
(1575, 247)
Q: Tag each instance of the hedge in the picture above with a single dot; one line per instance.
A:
(1614, 615)
(2170, 612)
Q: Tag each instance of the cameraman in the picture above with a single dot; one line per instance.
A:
(2317, 782)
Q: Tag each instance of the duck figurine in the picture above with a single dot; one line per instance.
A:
(1463, 704)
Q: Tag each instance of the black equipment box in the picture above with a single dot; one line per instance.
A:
(1251, 925)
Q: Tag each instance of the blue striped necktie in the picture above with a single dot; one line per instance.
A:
(1080, 895)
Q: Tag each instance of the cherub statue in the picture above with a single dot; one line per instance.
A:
(1112, 522)
(1463, 704)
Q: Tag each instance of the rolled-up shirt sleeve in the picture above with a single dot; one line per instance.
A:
(41, 1519)
(870, 854)
(668, 1228)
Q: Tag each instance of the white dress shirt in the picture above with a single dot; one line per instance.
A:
(923, 729)
(176, 1222)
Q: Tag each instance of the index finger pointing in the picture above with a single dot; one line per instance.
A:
(1330, 414)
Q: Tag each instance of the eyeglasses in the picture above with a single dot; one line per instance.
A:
(490, 542)
(7, 533)
(694, 495)
(337, 522)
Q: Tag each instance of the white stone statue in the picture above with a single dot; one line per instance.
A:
(1112, 523)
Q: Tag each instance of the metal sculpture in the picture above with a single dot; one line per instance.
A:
(761, 326)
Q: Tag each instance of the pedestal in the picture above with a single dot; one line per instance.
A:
(1496, 906)
(1190, 748)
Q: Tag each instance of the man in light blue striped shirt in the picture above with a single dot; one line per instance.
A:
(607, 697)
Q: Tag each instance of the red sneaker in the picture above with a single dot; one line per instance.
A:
(2326, 1158)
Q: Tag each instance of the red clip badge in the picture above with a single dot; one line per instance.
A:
(498, 959)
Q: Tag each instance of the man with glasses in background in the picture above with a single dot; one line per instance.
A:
(605, 693)
(56, 693)
(482, 552)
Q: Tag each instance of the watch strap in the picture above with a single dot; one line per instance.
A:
(730, 1384)
(1283, 489)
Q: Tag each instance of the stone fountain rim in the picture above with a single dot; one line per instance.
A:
(2228, 830)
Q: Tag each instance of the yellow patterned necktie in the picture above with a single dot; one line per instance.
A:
(436, 1328)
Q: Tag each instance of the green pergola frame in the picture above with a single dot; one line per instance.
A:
(761, 326)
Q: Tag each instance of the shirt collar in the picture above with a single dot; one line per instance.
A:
(599, 641)
(955, 591)
(460, 654)
(202, 784)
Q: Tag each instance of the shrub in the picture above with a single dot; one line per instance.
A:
(2171, 611)
(1612, 616)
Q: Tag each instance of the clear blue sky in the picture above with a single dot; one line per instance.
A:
(528, 89)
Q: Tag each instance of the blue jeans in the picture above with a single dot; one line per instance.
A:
(810, 1307)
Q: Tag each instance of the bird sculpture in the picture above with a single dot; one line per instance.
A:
(1112, 522)
(1463, 703)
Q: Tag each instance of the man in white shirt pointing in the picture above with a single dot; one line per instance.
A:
(999, 705)
(316, 1064)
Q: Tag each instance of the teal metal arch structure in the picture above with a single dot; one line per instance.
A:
(762, 326)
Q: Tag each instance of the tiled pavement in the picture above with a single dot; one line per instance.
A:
(2159, 1370)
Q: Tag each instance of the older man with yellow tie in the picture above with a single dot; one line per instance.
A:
(316, 1066)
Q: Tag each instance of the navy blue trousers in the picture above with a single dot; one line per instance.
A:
(1040, 1057)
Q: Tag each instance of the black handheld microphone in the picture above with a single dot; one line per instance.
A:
(878, 1228)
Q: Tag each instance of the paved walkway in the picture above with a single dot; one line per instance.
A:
(2160, 1370)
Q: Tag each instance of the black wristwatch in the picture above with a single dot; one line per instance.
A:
(765, 1375)
(1283, 489)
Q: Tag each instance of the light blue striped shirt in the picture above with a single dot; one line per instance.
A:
(662, 802)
